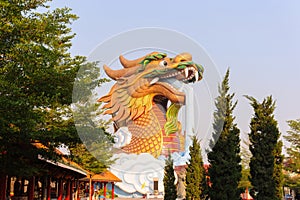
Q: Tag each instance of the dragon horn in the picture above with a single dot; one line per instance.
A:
(115, 74)
(130, 63)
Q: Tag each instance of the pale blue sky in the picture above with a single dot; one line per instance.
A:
(258, 40)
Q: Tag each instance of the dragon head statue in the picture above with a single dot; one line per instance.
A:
(145, 84)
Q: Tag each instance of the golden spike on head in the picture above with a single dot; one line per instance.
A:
(107, 112)
(130, 63)
(105, 98)
(115, 74)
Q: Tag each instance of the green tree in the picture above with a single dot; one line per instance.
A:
(245, 156)
(37, 75)
(292, 167)
(94, 151)
(278, 167)
(195, 173)
(266, 160)
(224, 158)
(169, 181)
(36, 82)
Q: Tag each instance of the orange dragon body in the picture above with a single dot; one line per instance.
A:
(146, 100)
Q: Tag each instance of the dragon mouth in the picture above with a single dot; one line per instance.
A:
(187, 75)
(162, 101)
(172, 81)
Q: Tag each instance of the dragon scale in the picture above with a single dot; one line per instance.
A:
(148, 134)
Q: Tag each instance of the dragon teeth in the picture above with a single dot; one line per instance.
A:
(186, 72)
(196, 76)
(154, 80)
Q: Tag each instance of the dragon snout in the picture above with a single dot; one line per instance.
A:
(188, 70)
(183, 57)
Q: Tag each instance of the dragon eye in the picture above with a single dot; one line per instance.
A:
(163, 63)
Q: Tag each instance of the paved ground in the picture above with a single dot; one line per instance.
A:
(135, 198)
(119, 198)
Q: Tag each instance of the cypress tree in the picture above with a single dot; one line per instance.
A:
(278, 167)
(266, 160)
(169, 180)
(195, 173)
(224, 158)
(245, 156)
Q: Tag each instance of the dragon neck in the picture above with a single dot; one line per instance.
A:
(160, 114)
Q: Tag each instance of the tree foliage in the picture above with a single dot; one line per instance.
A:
(36, 82)
(195, 173)
(245, 156)
(292, 166)
(169, 181)
(37, 75)
(266, 160)
(278, 167)
(94, 151)
(224, 158)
